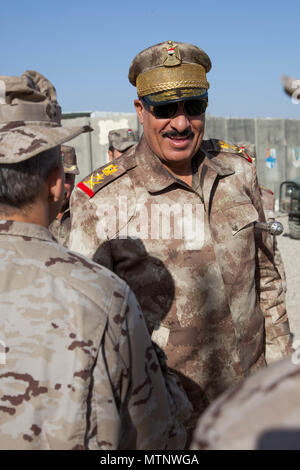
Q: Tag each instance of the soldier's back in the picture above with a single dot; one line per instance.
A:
(75, 344)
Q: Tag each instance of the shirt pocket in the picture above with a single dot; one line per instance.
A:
(241, 217)
(234, 223)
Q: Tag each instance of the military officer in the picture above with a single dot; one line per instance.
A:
(119, 141)
(79, 370)
(61, 226)
(175, 217)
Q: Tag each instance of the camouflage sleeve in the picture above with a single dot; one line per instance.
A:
(142, 414)
(260, 413)
(270, 289)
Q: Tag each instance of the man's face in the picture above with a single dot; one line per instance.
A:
(113, 153)
(69, 186)
(176, 139)
(55, 189)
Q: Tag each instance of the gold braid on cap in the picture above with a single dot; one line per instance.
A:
(169, 78)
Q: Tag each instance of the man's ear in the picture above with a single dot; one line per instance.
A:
(110, 155)
(55, 182)
(139, 110)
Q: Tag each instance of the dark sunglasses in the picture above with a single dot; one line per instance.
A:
(165, 111)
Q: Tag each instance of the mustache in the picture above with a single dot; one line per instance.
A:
(174, 134)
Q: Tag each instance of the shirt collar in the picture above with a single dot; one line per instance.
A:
(216, 164)
(155, 175)
(157, 178)
(25, 229)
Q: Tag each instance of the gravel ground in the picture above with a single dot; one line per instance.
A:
(290, 253)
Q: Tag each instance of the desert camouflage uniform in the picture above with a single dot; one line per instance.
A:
(268, 202)
(60, 228)
(209, 303)
(80, 371)
(263, 412)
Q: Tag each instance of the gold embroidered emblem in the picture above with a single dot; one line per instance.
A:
(225, 145)
(171, 55)
(110, 169)
(98, 177)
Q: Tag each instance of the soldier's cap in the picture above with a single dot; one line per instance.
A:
(170, 71)
(30, 117)
(69, 159)
(122, 139)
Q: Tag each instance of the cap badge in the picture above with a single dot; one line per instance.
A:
(130, 132)
(171, 55)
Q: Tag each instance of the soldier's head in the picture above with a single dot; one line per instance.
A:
(172, 98)
(31, 169)
(291, 87)
(71, 169)
(119, 141)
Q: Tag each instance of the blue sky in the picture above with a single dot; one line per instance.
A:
(86, 47)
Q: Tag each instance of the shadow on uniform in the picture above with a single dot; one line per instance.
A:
(155, 296)
(158, 293)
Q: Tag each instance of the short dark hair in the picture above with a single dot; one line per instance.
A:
(21, 182)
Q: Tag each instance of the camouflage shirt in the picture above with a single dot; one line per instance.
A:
(77, 369)
(268, 202)
(205, 279)
(261, 413)
(60, 228)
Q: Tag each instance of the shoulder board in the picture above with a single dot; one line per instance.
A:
(214, 145)
(268, 190)
(104, 175)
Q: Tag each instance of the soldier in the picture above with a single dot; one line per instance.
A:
(175, 218)
(61, 226)
(79, 370)
(262, 413)
(119, 141)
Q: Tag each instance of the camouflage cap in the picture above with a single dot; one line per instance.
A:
(291, 86)
(122, 139)
(30, 117)
(170, 71)
(69, 159)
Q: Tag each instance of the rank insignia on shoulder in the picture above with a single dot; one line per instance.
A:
(92, 183)
(224, 146)
(243, 151)
(268, 190)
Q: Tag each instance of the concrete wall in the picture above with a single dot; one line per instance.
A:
(277, 145)
(277, 141)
